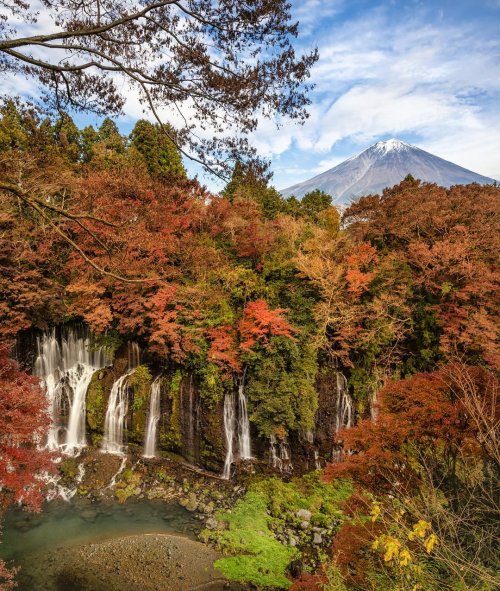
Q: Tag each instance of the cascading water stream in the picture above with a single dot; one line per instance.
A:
(133, 354)
(280, 454)
(229, 431)
(243, 424)
(65, 366)
(344, 415)
(116, 415)
(153, 419)
(317, 461)
(344, 404)
(236, 422)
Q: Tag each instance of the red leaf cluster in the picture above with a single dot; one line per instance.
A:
(260, 323)
(424, 416)
(24, 426)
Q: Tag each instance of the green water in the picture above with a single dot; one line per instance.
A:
(30, 539)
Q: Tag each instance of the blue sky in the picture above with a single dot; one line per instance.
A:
(426, 72)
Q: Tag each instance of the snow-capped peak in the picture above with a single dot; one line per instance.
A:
(382, 165)
(392, 145)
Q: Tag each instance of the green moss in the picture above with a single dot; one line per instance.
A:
(140, 381)
(307, 492)
(287, 370)
(211, 387)
(260, 559)
(171, 437)
(95, 406)
(69, 468)
(110, 341)
(128, 485)
(254, 554)
(212, 445)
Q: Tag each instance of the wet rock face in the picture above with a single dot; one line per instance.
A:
(187, 425)
(191, 421)
(192, 427)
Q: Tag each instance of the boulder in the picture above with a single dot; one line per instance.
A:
(304, 514)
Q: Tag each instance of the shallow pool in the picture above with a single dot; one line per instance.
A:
(30, 540)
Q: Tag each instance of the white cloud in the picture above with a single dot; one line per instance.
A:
(436, 82)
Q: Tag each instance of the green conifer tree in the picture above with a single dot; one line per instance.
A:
(160, 154)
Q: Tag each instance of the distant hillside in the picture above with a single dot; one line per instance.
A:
(383, 165)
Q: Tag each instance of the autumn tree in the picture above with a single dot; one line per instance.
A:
(433, 451)
(81, 59)
(24, 426)
(314, 202)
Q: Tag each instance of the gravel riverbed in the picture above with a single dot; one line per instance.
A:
(147, 562)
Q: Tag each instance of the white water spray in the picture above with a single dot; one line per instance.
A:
(280, 454)
(134, 354)
(153, 419)
(243, 424)
(344, 414)
(116, 415)
(317, 461)
(229, 429)
(65, 366)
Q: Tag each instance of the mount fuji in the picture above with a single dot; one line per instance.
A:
(383, 165)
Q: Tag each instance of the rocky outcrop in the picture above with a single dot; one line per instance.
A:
(191, 415)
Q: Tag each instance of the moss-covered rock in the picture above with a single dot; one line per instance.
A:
(171, 428)
(96, 403)
(140, 383)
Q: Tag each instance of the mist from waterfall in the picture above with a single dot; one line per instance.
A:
(65, 364)
(153, 419)
(116, 415)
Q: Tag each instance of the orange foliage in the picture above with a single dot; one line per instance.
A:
(449, 240)
(260, 323)
(424, 416)
(223, 350)
(24, 423)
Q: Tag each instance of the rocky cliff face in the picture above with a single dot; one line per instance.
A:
(191, 417)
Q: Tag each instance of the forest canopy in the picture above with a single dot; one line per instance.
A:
(219, 66)
(108, 230)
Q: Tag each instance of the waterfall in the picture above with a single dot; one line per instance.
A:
(280, 454)
(65, 366)
(229, 424)
(317, 461)
(344, 414)
(243, 424)
(116, 415)
(308, 436)
(134, 354)
(153, 418)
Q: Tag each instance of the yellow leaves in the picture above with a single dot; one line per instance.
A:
(430, 542)
(419, 530)
(404, 557)
(375, 512)
(392, 548)
(395, 551)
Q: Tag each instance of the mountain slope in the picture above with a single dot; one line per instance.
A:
(383, 165)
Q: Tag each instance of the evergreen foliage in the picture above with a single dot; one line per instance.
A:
(156, 146)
